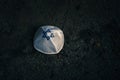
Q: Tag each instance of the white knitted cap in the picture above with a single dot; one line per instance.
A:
(49, 40)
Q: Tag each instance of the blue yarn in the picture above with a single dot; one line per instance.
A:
(47, 36)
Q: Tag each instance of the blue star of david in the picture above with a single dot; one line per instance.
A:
(45, 35)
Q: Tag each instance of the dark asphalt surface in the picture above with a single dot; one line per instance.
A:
(92, 39)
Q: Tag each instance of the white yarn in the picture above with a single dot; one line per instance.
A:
(49, 40)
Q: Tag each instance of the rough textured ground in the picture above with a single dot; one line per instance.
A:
(92, 39)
